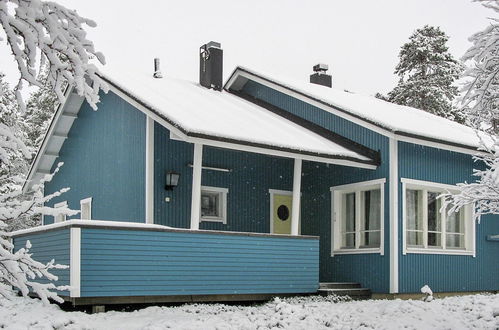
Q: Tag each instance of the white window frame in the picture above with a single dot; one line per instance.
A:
(62, 216)
(469, 224)
(358, 187)
(83, 202)
(223, 208)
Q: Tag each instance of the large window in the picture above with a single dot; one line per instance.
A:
(214, 204)
(357, 217)
(429, 228)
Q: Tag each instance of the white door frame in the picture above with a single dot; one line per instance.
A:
(273, 192)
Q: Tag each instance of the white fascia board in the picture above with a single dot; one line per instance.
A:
(279, 153)
(383, 131)
(51, 132)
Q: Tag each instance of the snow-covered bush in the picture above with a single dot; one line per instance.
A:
(427, 292)
(18, 269)
(40, 34)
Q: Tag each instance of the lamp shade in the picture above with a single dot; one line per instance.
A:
(171, 180)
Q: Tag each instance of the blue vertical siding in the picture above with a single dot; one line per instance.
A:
(47, 246)
(135, 263)
(372, 270)
(446, 272)
(104, 158)
(249, 180)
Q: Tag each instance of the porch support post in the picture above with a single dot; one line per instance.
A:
(295, 210)
(196, 185)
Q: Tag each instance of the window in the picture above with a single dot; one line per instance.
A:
(214, 204)
(86, 209)
(428, 226)
(357, 217)
(60, 217)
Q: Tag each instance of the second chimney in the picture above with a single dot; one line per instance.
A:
(211, 65)
(157, 71)
(320, 77)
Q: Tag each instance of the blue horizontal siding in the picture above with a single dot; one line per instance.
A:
(47, 246)
(444, 273)
(131, 263)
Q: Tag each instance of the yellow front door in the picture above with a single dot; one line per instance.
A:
(281, 213)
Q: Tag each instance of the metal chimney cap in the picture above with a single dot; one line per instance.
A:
(213, 44)
(321, 67)
(157, 72)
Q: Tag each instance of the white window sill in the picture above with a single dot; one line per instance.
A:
(439, 251)
(213, 220)
(356, 251)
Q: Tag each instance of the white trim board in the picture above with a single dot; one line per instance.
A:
(393, 210)
(75, 262)
(149, 179)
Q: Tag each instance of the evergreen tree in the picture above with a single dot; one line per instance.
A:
(40, 109)
(427, 72)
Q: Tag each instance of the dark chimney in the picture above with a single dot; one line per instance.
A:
(320, 77)
(211, 65)
(157, 71)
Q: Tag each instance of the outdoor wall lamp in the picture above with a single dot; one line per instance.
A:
(171, 180)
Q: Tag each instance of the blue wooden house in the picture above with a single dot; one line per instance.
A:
(258, 187)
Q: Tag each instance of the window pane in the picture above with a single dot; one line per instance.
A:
(435, 239)
(414, 209)
(370, 239)
(210, 204)
(455, 241)
(434, 215)
(348, 212)
(455, 222)
(370, 210)
(348, 241)
(415, 238)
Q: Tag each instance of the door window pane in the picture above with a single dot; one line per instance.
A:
(348, 220)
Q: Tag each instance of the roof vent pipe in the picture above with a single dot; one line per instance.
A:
(211, 65)
(157, 72)
(320, 77)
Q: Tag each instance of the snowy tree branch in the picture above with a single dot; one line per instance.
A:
(40, 32)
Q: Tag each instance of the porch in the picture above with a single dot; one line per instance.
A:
(116, 262)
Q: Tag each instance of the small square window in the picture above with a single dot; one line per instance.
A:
(214, 204)
(86, 209)
(60, 217)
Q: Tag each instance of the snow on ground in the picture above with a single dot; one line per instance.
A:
(467, 312)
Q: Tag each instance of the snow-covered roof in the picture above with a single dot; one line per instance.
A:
(384, 116)
(197, 114)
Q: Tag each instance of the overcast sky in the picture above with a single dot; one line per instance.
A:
(360, 40)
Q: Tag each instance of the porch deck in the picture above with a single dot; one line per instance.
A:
(115, 262)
